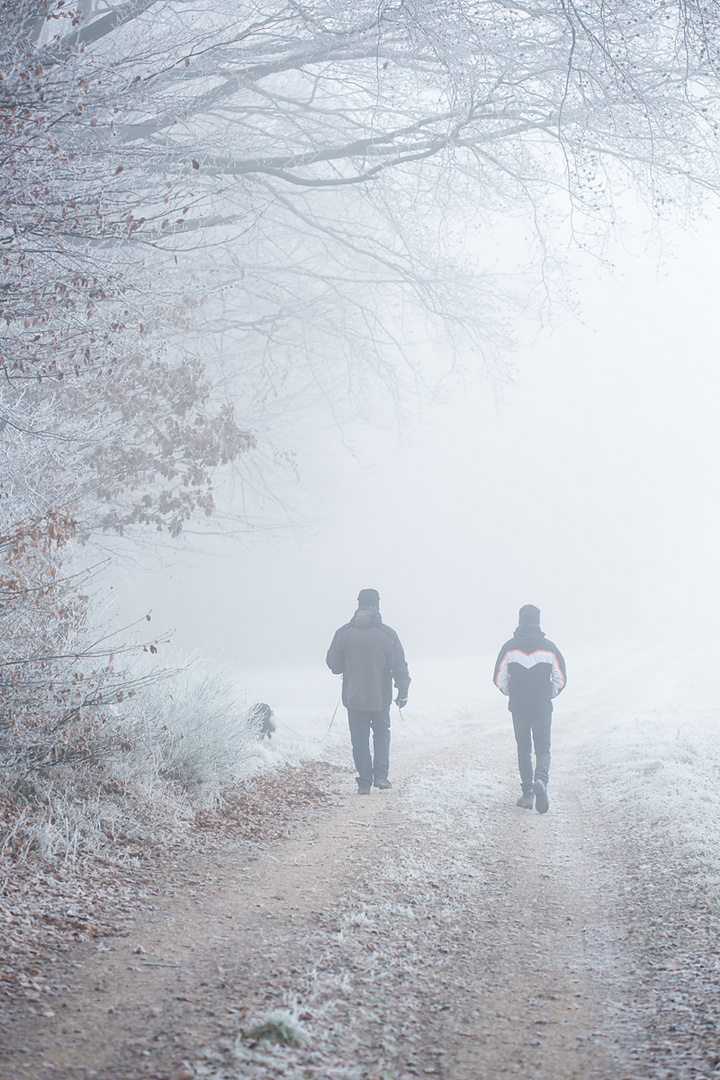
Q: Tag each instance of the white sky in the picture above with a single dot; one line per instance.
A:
(590, 490)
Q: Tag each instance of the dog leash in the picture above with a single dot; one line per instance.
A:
(317, 742)
(305, 738)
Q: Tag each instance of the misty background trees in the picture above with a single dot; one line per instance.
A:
(224, 224)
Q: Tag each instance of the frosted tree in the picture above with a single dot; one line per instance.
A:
(218, 216)
(333, 172)
(348, 162)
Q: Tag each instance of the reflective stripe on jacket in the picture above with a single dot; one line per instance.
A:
(530, 670)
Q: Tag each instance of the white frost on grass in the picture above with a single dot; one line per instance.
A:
(668, 765)
(357, 918)
(438, 797)
(278, 1026)
(644, 727)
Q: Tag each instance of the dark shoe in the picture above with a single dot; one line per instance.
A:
(363, 789)
(542, 803)
(383, 783)
(526, 800)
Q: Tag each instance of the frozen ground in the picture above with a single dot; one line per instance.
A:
(437, 930)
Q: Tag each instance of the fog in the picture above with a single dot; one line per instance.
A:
(587, 485)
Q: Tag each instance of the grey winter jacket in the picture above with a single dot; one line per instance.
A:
(369, 657)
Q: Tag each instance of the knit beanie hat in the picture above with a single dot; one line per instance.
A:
(529, 615)
(369, 598)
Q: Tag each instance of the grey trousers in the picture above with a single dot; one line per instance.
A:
(369, 766)
(531, 731)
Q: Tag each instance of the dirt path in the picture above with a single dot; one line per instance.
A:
(435, 930)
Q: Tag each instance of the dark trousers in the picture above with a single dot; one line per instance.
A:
(375, 766)
(529, 731)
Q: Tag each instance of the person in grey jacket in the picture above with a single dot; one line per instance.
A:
(369, 656)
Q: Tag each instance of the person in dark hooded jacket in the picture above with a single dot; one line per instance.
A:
(530, 670)
(369, 656)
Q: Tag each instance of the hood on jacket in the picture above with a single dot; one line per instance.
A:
(528, 632)
(366, 616)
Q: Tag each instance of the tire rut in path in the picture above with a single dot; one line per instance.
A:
(555, 953)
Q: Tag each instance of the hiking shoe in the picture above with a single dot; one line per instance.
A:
(383, 783)
(526, 800)
(363, 789)
(542, 803)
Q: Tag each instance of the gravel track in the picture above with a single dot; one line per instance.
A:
(435, 930)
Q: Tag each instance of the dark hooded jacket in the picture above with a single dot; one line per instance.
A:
(369, 657)
(531, 671)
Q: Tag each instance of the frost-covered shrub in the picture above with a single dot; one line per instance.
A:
(180, 740)
(193, 731)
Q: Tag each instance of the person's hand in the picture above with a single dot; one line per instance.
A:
(401, 700)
